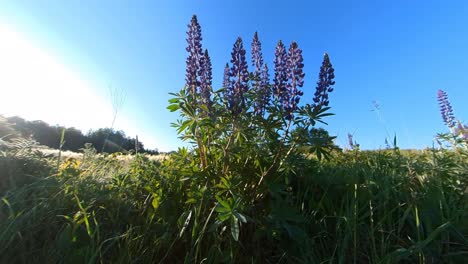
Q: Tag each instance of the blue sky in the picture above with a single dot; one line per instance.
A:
(397, 53)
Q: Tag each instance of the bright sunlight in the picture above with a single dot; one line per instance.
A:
(34, 85)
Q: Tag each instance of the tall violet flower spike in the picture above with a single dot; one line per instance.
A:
(261, 77)
(226, 82)
(227, 85)
(350, 141)
(263, 92)
(295, 76)
(280, 79)
(194, 48)
(238, 77)
(257, 57)
(325, 83)
(446, 109)
(206, 79)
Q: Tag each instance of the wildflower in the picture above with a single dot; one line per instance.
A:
(263, 91)
(257, 58)
(295, 76)
(206, 79)
(351, 142)
(226, 82)
(194, 58)
(446, 109)
(280, 79)
(325, 83)
(461, 130)
(238, 78)
(261, 77)
(227, 85)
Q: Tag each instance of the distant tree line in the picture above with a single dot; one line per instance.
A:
(103, 139)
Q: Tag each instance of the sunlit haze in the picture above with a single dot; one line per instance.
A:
(35, 85)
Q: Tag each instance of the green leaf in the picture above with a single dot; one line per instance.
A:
(222, 209)
(224, 203)
(224, 216)
(235, 228)
(174, 100)
(155, 202)
(173, 107)
(186, 222)
(241, 217)
(203, 107)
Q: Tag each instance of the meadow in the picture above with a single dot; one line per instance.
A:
(259, 184)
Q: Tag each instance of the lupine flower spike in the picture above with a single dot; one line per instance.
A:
(257, 57)
(295, 76)
(280, 79)
(206, 80)
(194, 48)
(238, 78)
(261, 77)
(263, 91)
(446, 109)
(325, 83)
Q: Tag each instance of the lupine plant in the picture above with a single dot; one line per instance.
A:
(241, 133)
(252, 188)
(458, 131)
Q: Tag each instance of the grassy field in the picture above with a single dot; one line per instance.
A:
(261, 183)
(385, 206)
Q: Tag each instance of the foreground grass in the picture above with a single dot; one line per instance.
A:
(358, 207)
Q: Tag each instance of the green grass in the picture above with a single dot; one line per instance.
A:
(357, 207)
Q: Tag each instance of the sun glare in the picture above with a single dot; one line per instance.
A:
(36, 85)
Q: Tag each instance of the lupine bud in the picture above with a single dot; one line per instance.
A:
(195, 51)
(238, 78)
(445, 109)
(325, 83)
(295, 76)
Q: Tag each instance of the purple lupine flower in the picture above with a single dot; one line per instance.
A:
(445, 109)
(325, 83)
(195, 51)
(295, 76)
(261, 77)
(281, 77)
(257, 57)
(226, 84)
(263, 92)
(206, 79)
(461, 130)
(238, 78)
(350, 141)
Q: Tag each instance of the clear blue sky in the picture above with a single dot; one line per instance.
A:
(397, 53)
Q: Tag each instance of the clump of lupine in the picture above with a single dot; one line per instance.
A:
(248, 102)
(457, 128)
(241, 133)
